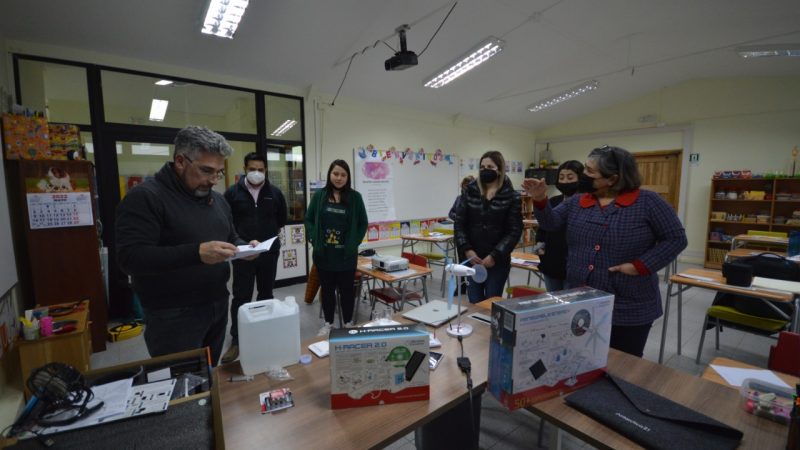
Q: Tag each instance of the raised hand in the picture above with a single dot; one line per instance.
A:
(537, 189)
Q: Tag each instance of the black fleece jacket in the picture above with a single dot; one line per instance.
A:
(160, 226)
(490, 227)
(260, 220)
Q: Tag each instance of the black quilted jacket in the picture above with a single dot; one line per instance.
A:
(489, 227)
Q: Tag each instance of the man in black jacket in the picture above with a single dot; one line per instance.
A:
(174, 236)
(259, 212)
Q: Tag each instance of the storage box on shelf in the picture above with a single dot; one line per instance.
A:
(737, 205)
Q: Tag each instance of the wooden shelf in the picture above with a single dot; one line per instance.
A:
(772, 207)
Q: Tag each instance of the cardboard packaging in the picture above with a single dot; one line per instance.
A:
(546, 345)
(378, 365)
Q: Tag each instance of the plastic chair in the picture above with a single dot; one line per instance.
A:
(785, 355)
(397, 297)
(718, 316)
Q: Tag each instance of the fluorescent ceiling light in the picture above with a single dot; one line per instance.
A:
(158, 109)
(466, 62)
(163, 82)
(564, 96)
(764, 50)
(285, 126)
(223, 17)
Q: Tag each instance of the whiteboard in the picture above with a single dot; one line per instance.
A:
(8, 265)
(422, 184)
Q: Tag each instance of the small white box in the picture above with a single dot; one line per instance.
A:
(377, 365)
(548, 344)
(269, 335)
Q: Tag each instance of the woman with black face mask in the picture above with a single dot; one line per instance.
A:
(553, 255)
(488, 225)
(618, 237)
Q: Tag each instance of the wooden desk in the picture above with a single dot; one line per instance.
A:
(712, 375)
(311, 423)
(745, 252)
(531, 264)
(444, 242)
(390, 279)
(706, 397)
(744, 239)
(73, 348)
(712, 279)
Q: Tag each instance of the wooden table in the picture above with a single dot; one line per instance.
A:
(391, 279)
(745, 252)
(531, 264)
(712, 375)
(444, 242)
(743, 239)
(709, 398)
(712, 279)
(312, 424)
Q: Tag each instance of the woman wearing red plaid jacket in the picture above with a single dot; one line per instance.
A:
(618, 237)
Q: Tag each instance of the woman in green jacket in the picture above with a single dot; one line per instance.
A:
(336, 222)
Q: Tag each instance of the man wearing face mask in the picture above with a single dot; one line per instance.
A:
(553, 254)
(174, 234)
(259, 212)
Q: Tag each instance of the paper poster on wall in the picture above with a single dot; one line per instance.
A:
(394, 230)
(375, 183)
(415, 227)
(289, 258)
(383, 231)
(405, 228)
(298, 235)
(373, 232)
(282, 236)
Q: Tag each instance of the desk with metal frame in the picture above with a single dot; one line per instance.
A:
(711, 374)
(443, 241)
(712, 279)
(390, 279)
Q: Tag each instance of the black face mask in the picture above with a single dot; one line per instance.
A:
(488, 175)
(585, 184)
(568, 189)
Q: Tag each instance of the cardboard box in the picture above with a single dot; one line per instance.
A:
(377, 365)
(546, 345)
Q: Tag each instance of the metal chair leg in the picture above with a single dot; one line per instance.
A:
(702, 339)
(717, 330)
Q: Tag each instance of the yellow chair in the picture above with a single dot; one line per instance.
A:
(728, 316)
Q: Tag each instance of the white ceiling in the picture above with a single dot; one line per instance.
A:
(631, 46)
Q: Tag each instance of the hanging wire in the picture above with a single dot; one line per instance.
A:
(439, 28)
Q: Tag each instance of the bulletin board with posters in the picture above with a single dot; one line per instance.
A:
(404, 191)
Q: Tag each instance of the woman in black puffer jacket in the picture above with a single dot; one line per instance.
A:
(489, 225)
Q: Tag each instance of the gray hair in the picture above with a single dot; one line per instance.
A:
(194, 139)
(617, 161)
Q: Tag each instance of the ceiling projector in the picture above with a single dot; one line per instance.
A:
(404, 58)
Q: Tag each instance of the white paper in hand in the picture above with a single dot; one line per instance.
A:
(243, 251)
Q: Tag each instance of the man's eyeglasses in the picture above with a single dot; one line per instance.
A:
(208, 172)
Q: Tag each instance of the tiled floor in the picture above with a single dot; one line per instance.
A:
(501, 429)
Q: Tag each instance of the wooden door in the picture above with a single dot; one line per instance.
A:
(661, 173)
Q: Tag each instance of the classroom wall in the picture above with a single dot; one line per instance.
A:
(333, 132)
(733, 123)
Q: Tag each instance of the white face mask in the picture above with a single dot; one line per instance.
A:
(255, 177)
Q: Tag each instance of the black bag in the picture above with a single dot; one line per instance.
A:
(650, 419)
(767, 265)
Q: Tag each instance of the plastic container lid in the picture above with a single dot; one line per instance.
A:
(766, 400)
(305, 359)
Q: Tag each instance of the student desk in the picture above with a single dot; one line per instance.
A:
(712, 279)
(741, 240)
(311, 423)
(709, 398)
(745, 252)
(531, 264)
(444, 242)
(397, 280)
(712, 375)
